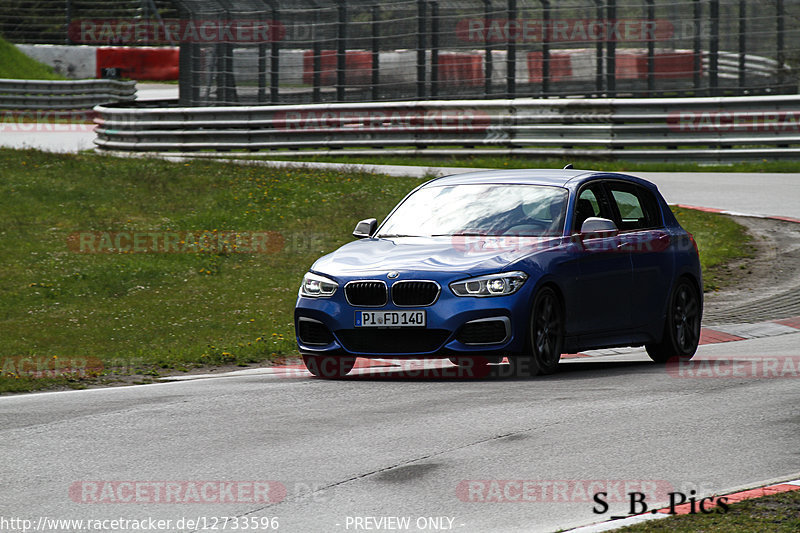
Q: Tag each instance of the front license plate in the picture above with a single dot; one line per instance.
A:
(390, 319)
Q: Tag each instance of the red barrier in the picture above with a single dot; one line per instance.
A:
(560, 67)
(666, 65)
(627, 65)
(671, 65)
(139, 63)
(358, 67)
(461, 69)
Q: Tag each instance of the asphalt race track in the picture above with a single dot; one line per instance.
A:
(383, 446)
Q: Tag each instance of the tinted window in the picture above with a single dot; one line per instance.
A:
(591, 203)
(635, 205)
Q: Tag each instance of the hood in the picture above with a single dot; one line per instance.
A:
(470, 255)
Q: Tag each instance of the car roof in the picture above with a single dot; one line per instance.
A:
(554, 177)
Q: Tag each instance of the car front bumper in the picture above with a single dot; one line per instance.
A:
(454, 326)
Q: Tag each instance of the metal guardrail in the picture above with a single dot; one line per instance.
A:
(66, 94)
(719, 128)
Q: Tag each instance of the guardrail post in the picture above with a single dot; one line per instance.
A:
(434, 48)
(341, 52)
(376, 51)
(511, 50)
(421, 46)
(611, 50)
(713, 46)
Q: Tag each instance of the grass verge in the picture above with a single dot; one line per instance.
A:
(503, 161)
(83, 318)
(17, 66)
(722, 242)
(777, 513)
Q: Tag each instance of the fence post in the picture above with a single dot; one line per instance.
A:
(698, 46)
(341, 51)
(598, 74)
(713, 49)
(611, 50)
(421, 45)
(434, 48)
(274, 67)
(742, 45)
(511, 52)
(68, 20)
(651, 47)
(780, 54)
(376, 51)
(316, 60)
(545, 47)
(487, 49)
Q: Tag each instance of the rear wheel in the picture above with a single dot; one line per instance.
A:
(328, 366)
(681, 326)
(545, 337)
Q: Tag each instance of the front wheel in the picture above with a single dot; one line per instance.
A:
(328, 366)
(545, 336)
(681, 325)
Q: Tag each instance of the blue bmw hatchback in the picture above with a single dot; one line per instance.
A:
(524, 264)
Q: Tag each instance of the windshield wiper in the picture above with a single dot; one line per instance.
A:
(392, 236)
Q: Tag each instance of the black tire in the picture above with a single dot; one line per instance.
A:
(545, 336)
(329, 366)
(681, 325)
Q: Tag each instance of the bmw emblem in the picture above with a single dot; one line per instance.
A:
(393, 274)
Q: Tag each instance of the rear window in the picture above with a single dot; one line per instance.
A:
(636, 206)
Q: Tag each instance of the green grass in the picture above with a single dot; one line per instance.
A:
(145, 311)
(142, 313)
(16, 65)
(721, 241)
(503, 161)
(779, 513)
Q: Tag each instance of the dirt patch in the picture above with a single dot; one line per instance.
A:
(764, 287)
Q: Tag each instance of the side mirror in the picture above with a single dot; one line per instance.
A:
(365, 228)
(598, 227)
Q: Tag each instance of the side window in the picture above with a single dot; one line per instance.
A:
(636, 207)
(591, 203)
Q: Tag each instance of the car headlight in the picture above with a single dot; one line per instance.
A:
(316, 286)
(492, 285)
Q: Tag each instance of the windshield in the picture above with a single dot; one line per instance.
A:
(479, 209)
